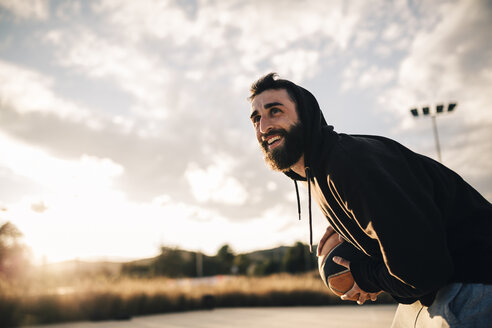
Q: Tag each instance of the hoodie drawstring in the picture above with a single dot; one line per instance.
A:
(298, 201)
(308, 178)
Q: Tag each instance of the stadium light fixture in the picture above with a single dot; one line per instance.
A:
(439, 110)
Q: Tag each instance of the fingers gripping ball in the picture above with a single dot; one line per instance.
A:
(336, 277)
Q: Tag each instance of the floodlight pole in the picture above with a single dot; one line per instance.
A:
(439, 109)
(436, 137)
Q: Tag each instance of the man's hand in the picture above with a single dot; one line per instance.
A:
(333, 239)
(355, 293)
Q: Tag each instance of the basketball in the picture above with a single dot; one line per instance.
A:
(336, 277)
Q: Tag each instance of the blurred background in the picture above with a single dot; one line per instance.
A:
(124, 129)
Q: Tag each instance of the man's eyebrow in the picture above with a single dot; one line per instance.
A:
(272, 104)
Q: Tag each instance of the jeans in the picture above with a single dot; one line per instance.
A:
(456, 305)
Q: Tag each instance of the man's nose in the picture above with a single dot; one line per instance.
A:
(265, 125)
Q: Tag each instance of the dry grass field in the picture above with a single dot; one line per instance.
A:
(51, 298)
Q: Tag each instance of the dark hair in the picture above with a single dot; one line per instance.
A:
(271, 81)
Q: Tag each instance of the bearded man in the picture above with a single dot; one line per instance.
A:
(425, 232)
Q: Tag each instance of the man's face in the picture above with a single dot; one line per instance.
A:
(278, 128)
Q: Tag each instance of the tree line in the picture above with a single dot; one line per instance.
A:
(174, 262)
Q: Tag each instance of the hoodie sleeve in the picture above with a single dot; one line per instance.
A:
(393, 203)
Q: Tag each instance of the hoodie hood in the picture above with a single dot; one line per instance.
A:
(315, 126)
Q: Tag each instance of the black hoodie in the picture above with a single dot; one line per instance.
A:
(419, 223)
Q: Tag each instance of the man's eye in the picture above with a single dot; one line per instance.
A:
(275, 110)
(256, 119)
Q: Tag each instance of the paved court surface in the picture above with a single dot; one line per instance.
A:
(367, 316)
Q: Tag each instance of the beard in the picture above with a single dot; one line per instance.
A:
(284, 156)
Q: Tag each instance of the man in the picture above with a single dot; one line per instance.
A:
(425, 231)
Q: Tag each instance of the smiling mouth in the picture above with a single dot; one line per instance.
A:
(273, 141)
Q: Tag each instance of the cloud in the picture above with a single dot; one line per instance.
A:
(453, 59)
(358, 76)
(392, 32)
(297, 64)
(364, 37)
(85, 175)
(66, 10)
(375, 76)
(17, 82)
(236, 36)
(159, 19)
(39, 207)
(450, 60)
(215, 184)
(28, 9)
(138, 73)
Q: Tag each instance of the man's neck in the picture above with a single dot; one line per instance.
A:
(299, 167)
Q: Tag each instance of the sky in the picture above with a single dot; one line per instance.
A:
(124, 125)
